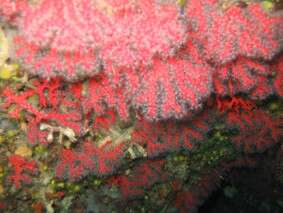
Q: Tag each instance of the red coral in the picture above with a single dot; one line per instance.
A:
(162, 86)
(149, 27)
(263, 89)
(156, 138)
(9, 8)
(70, 38)
(163, 137)
(245, 76)
(103, 95)
(142, 177)
(278, 81)
(173, 88)
(54, 105)
(170, 88)
(234, 104)
(237, 31)
(99, 160)
(105, 121)
(73, 164)
(21, 165)
(256, 130)
(131, 65)
(50, 62)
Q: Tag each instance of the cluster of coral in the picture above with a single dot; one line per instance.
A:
(116, 89)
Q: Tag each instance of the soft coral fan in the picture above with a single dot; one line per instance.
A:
(237, 31)
(70, 38)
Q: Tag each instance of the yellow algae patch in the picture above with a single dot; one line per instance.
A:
(181, 3)
(23, 151)
(267, 5)
(7, 71)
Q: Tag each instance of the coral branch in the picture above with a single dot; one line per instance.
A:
(21, 165)
(91, 159)
(237, 31)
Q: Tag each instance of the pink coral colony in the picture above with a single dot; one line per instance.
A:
(152, 59)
